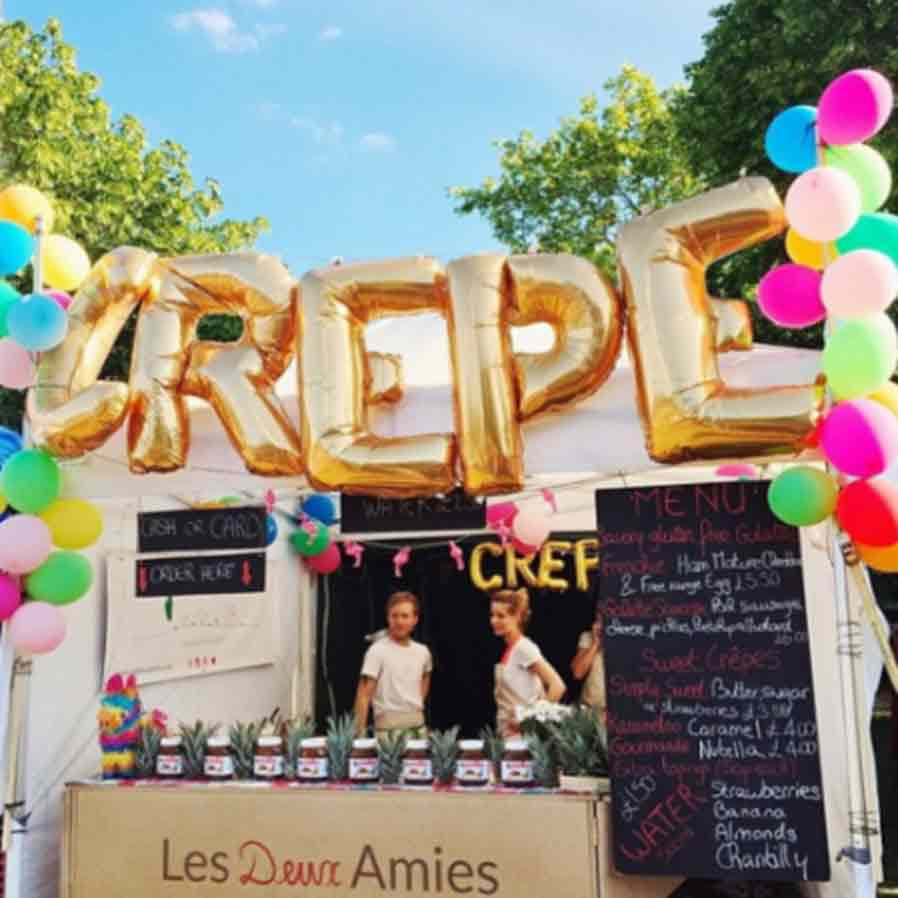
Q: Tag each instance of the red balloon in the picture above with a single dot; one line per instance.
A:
(868, 511)
(328, 561)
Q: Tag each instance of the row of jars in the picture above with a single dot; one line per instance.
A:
(472, 768)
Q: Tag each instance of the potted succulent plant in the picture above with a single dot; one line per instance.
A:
(581, 747)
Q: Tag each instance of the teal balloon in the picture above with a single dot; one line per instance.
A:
(803, 496)
(62, 579)
(16, 247)
(860, 356)
(309, 544)
(30, 480)
(8, 297)
(874, 230)
(37, 322)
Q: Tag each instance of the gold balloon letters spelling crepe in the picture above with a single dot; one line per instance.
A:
(519, 571)
(674, 328)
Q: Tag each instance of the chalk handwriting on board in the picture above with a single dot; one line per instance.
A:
(711, 719)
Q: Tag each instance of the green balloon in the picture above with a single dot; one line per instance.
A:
(9, 296)
(874, 230)
(803, 496)
(62, 579)
(868, 169)
(860, 356)
(310, 544)
(31, 480)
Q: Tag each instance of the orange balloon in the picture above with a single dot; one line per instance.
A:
(23, 204)
(880, 558)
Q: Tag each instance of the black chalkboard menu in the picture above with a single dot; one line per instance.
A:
(240, 572)
(374, 514)
(712, 729)
(199, 529)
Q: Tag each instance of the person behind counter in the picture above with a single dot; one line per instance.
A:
(523, 676)
(588, 663)
(395, 673)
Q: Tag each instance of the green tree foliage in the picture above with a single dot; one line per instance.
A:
(571, 191)
(108, 186)
(761, 57)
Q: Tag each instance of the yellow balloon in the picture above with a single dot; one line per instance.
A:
(73, 523)
(804, 252)
(23, 205)
(66, 264)
(880, 558)
(3, 503)
(887, 395)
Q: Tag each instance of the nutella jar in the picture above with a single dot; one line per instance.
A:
(364, 766)
(417, 767)
(472, 768)
(517, 764)
(170, 760)
(312, 765)
(219, 765)
(268, 760)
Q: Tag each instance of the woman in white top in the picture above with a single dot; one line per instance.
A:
(523, 676)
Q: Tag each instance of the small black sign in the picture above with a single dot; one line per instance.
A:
(370, 514)
(200, 529)
(205, 575)
(713, 750)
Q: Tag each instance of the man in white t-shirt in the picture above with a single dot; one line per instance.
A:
(588, 665)
(395, 673)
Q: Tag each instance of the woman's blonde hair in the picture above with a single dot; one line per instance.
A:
(517, 600)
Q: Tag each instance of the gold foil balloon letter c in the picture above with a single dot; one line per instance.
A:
(688, 411)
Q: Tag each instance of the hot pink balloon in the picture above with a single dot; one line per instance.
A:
(500, 513)
(524, 549)
(858, 284)
(10, 596)
(16, 368)
(789, 295)
(328, 561)
(823, 204)
(531, 528)
(854, 107)
(25, 543)
(37, 628)
(860, 438)
(61, 297)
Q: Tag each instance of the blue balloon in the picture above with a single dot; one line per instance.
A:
(37, 322)
(791, 139)
(16, 247)
(10, 444)
(271, 530)
(321, 508)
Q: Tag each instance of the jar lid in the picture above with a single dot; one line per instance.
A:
(364, 743)
(516, 745)
(314, 742)
(471, 744)
(170, 741)
(218, 742)
(270, 741)
(417, 744)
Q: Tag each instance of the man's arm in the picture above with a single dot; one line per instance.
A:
(583, 660)
(425, 686)
(363, 697)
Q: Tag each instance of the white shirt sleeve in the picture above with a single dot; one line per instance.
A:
(428, 660)
(528, 653)
(585, 641)
(373, 663)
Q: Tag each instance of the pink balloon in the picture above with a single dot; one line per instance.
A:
(854, 107)
(524, 549)
(860, 283)
(823, 204)
(500, 513)
(531, 528)
(10, 596)
(61, 297)
(789, 295)
(16, 368)
(37, 628)
(328, 561)
(860, 437)
(25, 543)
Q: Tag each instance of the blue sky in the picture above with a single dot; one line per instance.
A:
(344, 122)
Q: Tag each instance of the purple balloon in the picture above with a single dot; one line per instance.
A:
(854, 107)
(789, 296)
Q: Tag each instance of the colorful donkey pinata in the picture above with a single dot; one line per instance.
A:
(121, 719)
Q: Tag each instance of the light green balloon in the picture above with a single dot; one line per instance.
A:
(30, 480)
(860, 356)
(803, 496)
(868, 169)
(62, 579)
(874, 230)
